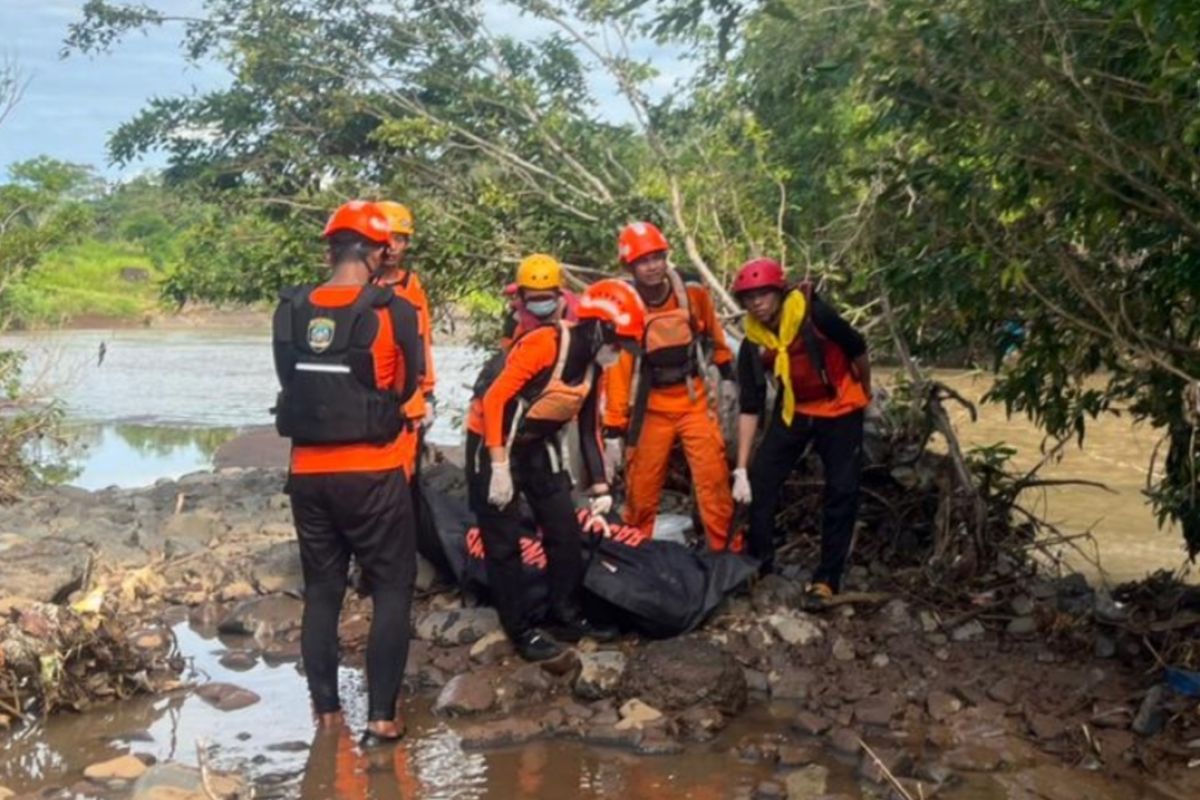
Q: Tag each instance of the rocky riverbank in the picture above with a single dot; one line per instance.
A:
(1040, 685)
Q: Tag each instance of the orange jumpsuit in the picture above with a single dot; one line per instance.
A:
(673, 411)
(408, 286)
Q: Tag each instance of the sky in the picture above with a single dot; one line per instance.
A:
(72, 105)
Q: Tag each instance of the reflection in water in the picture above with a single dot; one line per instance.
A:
(95, 457)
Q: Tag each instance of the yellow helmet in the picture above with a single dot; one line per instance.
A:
(539, 271)
(398, 216)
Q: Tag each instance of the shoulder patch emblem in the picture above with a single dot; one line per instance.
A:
(320, 333)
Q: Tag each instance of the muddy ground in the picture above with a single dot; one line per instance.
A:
(1041, 684)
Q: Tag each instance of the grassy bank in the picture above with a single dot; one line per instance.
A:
(93, 279)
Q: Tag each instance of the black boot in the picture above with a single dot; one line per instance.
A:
(535, 644)
(573, 627)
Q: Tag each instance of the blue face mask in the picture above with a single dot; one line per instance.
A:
(542, 308)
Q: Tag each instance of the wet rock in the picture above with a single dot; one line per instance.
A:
(877, 710)
(770, 790)
(1022, 627)
(599, 674)
(794, 755)
(1151, 717)
(843, 649)
(296, 746)
(1105, 647)
(491, 648)
(674, 674)
(637, 714)
(928, 620)
(1054, 782)
(972, 631)
(263, 617)
(806, 784)
(897, 617)
(1045, 727)
(701, 723)
(122, 768)
(876, 765)
(757, 681)
(46, 570)
(880, 660)
(226, 696)
(465, 694)
(942, 706)
(1004, 691)
(658, 743)
(791, 684)
(531, 680)
(911, 787)
(795, 628)
(811, 724)
(845, 741)
(239, 660)
(151, 640)
(237, 590)
(974, 758)
(500, 733)
(276, 568)
(775, 591)
(457, 626)
(609, 735)
(178, 782)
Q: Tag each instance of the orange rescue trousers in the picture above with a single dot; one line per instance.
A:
(704, 448)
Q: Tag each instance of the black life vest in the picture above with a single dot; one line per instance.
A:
(326, 369)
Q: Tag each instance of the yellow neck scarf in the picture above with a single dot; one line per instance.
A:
(791, 316)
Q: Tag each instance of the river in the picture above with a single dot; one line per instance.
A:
(160, 404)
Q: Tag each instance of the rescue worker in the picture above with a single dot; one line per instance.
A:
(520, 321)
(550, 377)
(661, 395)
(820, 367)
(419, 410)
(348, 358)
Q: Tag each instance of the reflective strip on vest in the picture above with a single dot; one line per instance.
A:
(336, 368)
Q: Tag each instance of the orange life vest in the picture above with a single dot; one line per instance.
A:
(559, 402)
(671, 343)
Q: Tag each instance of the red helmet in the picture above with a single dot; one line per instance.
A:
(640, 239)
(362, 217)
(759, 273)
(617, 303)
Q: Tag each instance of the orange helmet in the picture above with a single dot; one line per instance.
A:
(361, 217)
(640, 239)
(400, 219)
(617, 303)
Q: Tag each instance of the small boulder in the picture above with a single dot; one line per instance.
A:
(490, 648)
(1022, 627)
(46, 570)
(276, 568)
(972, 631)
(1004, 691)
(226, 696)
(791, 684)
(674, 674)
(877, 710)
(795, 628)
(843, 649)
(174, 781)
(1151, 718)
(499, 733)
(808, 783)
(451, 627)
(637, 714)
(599, 674)
(122, 768)
(263, 617)
(942, 706)
(807, 722)
(845, 741)
(465, 694)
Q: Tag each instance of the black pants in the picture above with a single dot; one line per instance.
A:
(838, 442)
(547, 487)
(367, 514)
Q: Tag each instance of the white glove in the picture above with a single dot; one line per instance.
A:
(600, 505)
(430, 412)
(614, 457)
(500, 488)
(741, 487)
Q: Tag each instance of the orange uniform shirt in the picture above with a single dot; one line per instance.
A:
(389, 371)
(618, 379)
(408, 286)
(532, 354)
